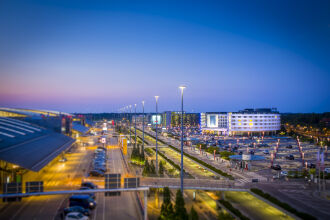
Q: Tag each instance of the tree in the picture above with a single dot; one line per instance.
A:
(161, 168)
(180, 210)
(193, 214)
(152, 168)
(166, 211)
(133, 155)
(146, 169)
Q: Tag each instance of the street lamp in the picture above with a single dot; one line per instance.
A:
(181, 174)
(156, 97)
(143, 127)
(130, 113)
(135, 124)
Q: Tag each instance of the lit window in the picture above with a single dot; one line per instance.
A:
(239, 123)
(250, 119)
(250, 124)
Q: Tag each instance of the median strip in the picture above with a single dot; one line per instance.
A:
(224, 174)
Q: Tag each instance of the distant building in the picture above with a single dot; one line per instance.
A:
(168, 119)
(248, 121)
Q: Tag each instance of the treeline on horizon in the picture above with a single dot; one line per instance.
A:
(311, 119)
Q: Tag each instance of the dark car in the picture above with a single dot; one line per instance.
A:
(101, 168)
(92, 195)
(77, 209)
(96, 173)
(289, 146)
(276, 167)
(290, 157)
(89, 185)
(240, 153)
(311, 165)
(84, 201)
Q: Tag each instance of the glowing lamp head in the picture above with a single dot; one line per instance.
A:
(182, 88)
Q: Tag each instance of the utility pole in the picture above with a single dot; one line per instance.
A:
(156, 97)
(130, 113)
(182, 88)
(143, 127)
(135, 124)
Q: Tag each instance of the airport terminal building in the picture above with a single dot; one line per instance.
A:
(260, 121)
(31, 140)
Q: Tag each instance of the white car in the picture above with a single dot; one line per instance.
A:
(75, 216)
(327, 170)
(284, 173)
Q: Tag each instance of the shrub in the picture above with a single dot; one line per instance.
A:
(231, 208)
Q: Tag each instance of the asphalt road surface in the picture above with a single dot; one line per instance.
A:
(69, 175)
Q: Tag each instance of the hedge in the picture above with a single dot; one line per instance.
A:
(173, 164)
(283, 205)
(231, 208)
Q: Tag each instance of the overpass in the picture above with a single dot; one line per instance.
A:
(202, 184)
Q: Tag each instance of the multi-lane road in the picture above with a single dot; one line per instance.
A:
(69, 175)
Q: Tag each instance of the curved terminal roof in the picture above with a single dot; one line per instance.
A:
(28, 145)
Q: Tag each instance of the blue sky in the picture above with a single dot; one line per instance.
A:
(98, 56)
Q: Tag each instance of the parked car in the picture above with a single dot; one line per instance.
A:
(89, 185)
(96, 173)
(266, 151)
(276, 177)
(284, 173)
(289, 146)
(84, 201)
(75, 216)
(63, 159)
(290, 157)
(77, 209)
(100, 168)
(311, 165)
(90, 194)
(276, 167)
(327, 170)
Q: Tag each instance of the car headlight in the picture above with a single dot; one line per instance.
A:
(91, 204)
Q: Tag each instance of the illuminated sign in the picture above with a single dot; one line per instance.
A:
(156, 119)
(212, 121)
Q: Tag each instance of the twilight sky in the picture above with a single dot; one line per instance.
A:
(98, 56)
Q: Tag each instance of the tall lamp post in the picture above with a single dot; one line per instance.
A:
(142, 127)
(130, 113)
(156, 97)
(135, 124)
(181, 174)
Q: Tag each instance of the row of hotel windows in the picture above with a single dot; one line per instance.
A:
(251, 124)
(258, 120)
(255, 128)
(255, 116)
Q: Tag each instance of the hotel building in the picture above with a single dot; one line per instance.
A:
(262, 121)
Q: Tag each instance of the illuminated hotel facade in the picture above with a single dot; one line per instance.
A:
(262, 121)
